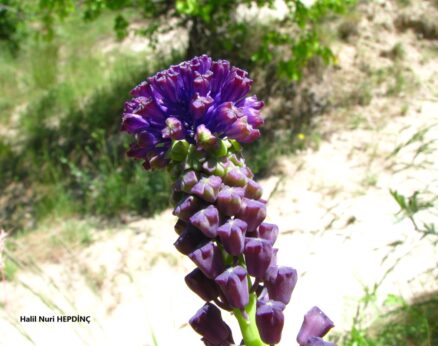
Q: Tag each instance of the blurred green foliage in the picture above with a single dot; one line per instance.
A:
(62, 94)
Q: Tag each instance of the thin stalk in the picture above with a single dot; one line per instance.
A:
(247, 324)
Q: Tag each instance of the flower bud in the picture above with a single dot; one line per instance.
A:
(253, 190)
(315, 324)
(201, 285)
(232, 236)
(188, 180)
(229, 200)
(207, 188)
(234, 177)
(207, 221)
(189, 240)
(173, 130)
(234, 284)
(204, 137)
(187, 207)
(208, 323)
(270, 321)
(258, 255)
(268, 231)
(208, 258)
(280, 282)
(253, 213)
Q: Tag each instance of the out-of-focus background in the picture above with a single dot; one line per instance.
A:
(348, 161)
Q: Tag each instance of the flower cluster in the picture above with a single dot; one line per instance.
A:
(192, 118)
(198, 101)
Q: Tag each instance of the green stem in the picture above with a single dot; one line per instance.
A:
(248, 327)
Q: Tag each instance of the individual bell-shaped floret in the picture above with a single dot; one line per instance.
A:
(281, 282)
(187, 207)
(234, 284)
(208, 322)
(207, 188)
(229, 200)
(268, 231)
(189, 240)
(234, 177)
(253, 189)
(258, 255)
(208, 258)
(270, 321)
(315, 324)
(188, 180)
(207, 221)
(232, 236)
(314, 341)
(202, 285)
(253, 213)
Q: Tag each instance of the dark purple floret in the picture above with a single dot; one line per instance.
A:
(268, 231)
(315, 324)
(232, 236)
(202, 285)
(208, 322)
(270, 321)
(195, 96)
(188, 180)
(253, 190)
(208, 258)
(234, 284)
(253, 213)
(189, 240)
(258, 255)
(281, 282)
(229, 200)
(207, 221)
(187, 207)
(207, 188)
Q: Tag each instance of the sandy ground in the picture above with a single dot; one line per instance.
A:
(331, 202)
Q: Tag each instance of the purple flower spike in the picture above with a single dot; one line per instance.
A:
(201, 285)
(189, 240)
(208, 323)
(270, 321)
(232, 236)
(253, 190)
(281, 282)
(188, 180)
(268, 231)
(258, 255)
(234, 285)
(186, 208)
(229, 200)
(207, 188)
(253, 213)
(314, 341)
(315, 324)
(207, 221)
(208, 258)
(235, 177)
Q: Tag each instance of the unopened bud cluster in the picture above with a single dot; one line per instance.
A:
(192, 118)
